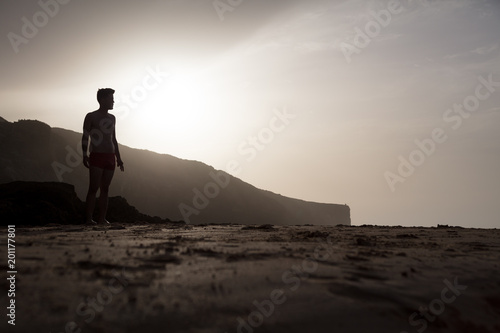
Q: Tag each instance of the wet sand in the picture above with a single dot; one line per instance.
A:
(235, 278)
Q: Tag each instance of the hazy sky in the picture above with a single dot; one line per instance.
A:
(392, 107)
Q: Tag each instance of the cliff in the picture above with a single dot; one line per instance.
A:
(157, 184)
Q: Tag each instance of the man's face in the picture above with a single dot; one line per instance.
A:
(108, 102)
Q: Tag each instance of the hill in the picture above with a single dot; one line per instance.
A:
(156, 184)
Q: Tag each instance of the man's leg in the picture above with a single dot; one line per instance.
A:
(95, 178)
(107, 176)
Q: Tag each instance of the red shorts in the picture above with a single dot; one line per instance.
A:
(105, 161)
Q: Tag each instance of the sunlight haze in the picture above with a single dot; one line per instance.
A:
(348, 102)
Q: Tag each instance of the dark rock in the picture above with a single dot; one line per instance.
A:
(264, 227)
(43, 203)
(34, 203)
(365, 241)
(119, 210)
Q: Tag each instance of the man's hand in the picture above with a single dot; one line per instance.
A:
(86, 161)
(120, 164)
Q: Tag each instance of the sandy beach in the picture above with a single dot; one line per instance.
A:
(235, 278)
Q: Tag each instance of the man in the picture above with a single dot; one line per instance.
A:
(99, 127)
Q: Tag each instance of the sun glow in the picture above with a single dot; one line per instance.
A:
(179, 112)
(184, 103)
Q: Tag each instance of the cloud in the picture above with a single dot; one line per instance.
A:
(485, 49)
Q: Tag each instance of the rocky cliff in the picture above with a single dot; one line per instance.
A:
(157, 184)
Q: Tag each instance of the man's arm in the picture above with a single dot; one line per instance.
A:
(117, 151)
(85, 140)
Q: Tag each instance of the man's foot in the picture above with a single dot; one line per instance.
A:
(105, 222)
(91, 222)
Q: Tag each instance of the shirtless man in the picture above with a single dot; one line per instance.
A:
(99, 127)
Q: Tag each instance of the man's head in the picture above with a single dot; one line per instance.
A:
(105, 98)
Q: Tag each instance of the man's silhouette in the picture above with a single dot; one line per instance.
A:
(99, 127)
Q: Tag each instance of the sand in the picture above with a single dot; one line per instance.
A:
(235, 278)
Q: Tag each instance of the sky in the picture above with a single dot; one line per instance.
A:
(391, 107)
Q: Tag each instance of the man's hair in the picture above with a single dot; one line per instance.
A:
(103, 93)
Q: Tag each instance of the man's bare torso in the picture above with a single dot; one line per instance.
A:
(100, 127)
